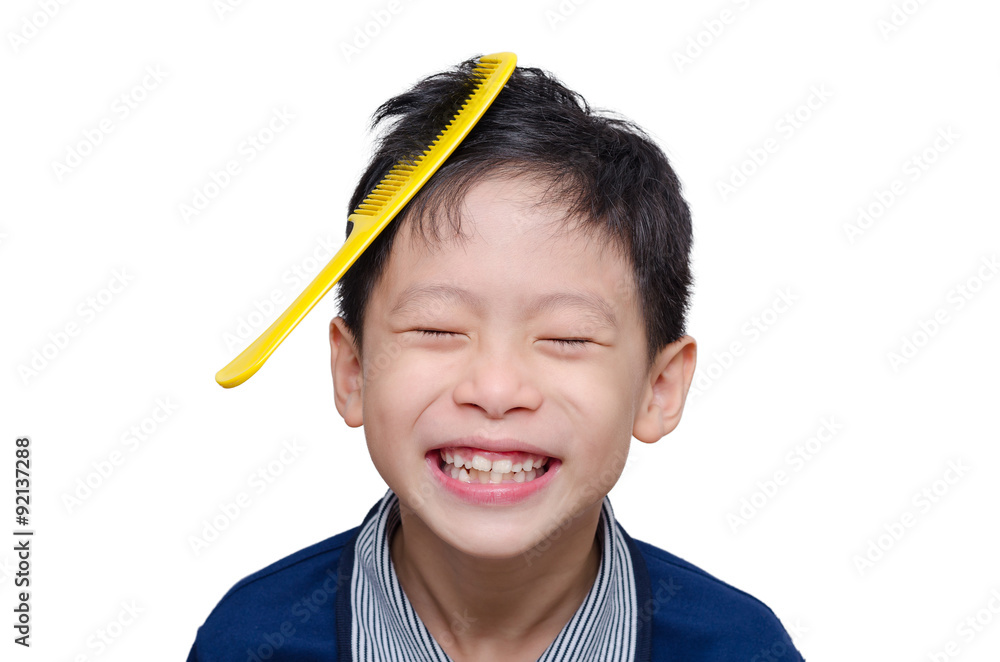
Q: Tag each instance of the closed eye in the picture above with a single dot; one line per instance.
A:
(567, 342)
(570, 342)
(432, 332)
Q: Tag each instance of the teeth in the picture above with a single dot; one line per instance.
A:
(478, 469)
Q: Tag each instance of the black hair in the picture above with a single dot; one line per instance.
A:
(602, 170)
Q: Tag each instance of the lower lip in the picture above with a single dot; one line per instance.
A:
(491, 494)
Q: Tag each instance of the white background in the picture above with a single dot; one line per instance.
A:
(886, 94)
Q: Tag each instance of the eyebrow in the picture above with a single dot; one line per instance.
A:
(418, 296)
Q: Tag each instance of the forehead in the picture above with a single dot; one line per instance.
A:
(513, 244)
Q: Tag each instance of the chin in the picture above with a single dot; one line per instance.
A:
(487, 540)
(499, 550)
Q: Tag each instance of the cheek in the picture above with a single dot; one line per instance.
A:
(596, 392)
(604, 421)
(608, 427)
(395, 384)
(398, 366)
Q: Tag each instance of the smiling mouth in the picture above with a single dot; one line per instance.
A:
(469, 465)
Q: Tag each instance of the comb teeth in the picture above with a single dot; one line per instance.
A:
(379, 208)
(398, 174)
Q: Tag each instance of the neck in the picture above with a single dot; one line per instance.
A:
(478, 608)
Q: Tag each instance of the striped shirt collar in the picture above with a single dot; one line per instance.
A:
(384, 626)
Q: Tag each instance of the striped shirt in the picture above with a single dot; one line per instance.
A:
(384, 625)
(339, 600)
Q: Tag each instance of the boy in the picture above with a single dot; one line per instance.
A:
(501, 352)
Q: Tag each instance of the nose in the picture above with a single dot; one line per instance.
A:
(497, 381)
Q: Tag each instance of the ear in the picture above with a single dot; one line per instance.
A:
(664, 395)
(345, 367)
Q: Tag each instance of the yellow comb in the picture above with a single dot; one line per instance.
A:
(375, 212)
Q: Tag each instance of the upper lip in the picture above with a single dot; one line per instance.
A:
(506, 445)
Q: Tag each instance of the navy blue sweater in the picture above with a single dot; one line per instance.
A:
(301, 608)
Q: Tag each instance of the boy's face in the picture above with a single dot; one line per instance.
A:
(500, 373)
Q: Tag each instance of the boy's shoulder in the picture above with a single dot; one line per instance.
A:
(292, 569)
(278, 608)
(696, 616)
(283, 611)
